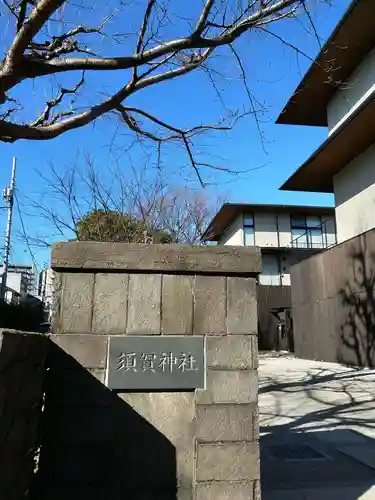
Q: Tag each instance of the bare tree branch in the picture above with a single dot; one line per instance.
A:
(47, 42)
(45, 117)
(7, 114)
(12, 9)
(61, 44)
(38, 16)
(202, 23)
(181, 212)
(184, 135)
(142, 32)
(22, 14)
(54, 130)
(187, 132)
(288, 44)
(192, 159)
(35, 67)
(311, 23)
(251, 100)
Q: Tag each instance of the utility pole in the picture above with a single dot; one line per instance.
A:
(8, 196)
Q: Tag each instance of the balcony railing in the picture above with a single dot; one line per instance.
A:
(317, 237)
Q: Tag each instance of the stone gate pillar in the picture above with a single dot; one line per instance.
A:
(115, 304)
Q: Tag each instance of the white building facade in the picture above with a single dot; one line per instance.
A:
(338, 92)
(45, 289)
(22, 279)
(284, 234)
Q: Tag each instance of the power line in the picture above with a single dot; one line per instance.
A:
(24, 234)
(8, 195)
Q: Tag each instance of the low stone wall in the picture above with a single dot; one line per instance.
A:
(158, 445)
(22, 358)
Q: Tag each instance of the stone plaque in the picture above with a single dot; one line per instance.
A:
(156, 363)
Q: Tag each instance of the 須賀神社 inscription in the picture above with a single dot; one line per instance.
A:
(156, 363)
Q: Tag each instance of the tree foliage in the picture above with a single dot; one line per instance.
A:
(101, 225)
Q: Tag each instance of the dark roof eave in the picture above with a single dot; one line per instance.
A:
(352, 39)
(353, 137)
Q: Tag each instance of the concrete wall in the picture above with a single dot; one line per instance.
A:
(354, 189)
(358, 87)
(22, 358)
(147, 445)
(234, 235)
(333, 297)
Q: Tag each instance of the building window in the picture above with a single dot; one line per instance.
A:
(306, 231)
(270, 274)
(248, 230)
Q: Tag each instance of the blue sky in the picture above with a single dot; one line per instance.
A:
(273, 70)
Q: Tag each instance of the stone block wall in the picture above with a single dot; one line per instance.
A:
(189, 445)
(22, 358)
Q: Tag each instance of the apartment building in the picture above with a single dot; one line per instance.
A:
(333, 292)
(21, 279)
(338, 93)
(285, 234)
(45, 290)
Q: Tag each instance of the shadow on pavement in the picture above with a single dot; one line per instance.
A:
(317, 423)
(337, 464)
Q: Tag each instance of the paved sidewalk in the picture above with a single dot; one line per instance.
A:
(317, 430)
